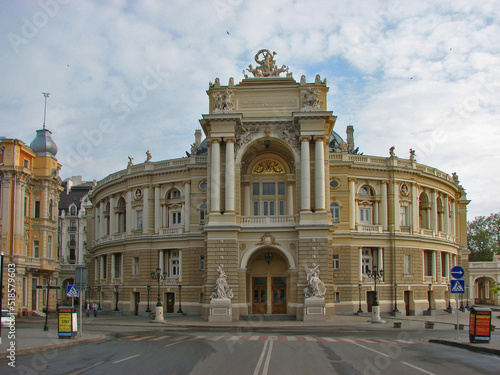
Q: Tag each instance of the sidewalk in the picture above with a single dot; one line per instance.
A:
(30, 336)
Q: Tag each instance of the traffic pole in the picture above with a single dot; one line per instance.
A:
(456, 296)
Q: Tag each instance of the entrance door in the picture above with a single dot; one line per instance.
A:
(170, 302)
(259, 304)
(279, 295)
(407, 302)
(370, 300)
(137, 301)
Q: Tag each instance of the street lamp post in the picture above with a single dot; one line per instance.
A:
(396, 311)
(359, 298)
(429, 300)
(99, 291)
(449, 309)
(116, 303)
(462, 307)
(467, 306)
(159, 276)
(375, 274)
(149, 288)
(180, 303)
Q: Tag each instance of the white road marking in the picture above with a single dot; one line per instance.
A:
(268, 358)
(126, 359)
(364, 347)
(257, 369)
(174, 343)
(418, 368)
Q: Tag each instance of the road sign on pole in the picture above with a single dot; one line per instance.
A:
(458, 286)
(71, 291)
(457, 272)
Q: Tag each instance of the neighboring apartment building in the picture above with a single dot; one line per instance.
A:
(271, 190)
(72, 236)
(29, 196)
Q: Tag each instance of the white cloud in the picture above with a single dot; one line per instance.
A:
(403, 74)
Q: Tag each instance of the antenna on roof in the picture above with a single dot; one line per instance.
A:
(46, 95)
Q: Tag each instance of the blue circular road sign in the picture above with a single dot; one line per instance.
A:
(457, 272)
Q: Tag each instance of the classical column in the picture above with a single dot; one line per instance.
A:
(187, 205)
(453, 228)
(157, 209)
(19, 214)
(103, 219)
(434, 211)
(145, 209)
(102, 270)
(383, 205)
(215, 175)
(128, 212)
(161, 260)
(352, 203)
(433, 255)
(112, 217)
(397, 213)
(305, 174)
(97, 218)
(113, 260)
(319, 181)
(376, 212)
(230, 174)
(380, 258)
(289, 198)
(446, 265)
(360, 264)
(415, 222)
(247, 198)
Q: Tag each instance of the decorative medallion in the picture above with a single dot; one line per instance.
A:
(267, 239)
(268, 166)
(405, 190)
(138, 194)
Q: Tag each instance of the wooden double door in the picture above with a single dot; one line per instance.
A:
(260, 292)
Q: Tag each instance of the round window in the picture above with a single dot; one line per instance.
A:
(334, 184)
(203, 185)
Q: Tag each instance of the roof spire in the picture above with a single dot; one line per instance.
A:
(46, 95)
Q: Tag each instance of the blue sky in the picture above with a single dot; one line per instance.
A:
(128, 76)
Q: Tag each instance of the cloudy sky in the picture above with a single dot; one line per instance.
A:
(128, 76)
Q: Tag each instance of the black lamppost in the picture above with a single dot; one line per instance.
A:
(429, 297)
(99, 291)
(180, 303)
(159, 277)
(375, 274)
(359, 298)
(467, 306)
(149, 288)
(46, 327)
(449, 308)
(462, 307)
(395, 299)
(116, 304)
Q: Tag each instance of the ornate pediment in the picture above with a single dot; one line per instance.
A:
(268, 166)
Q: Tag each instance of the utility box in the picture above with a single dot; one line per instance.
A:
(67, 322)
(480, 324)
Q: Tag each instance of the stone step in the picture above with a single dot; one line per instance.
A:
(268, 317)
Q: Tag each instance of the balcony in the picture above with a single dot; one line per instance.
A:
(171, 231)
(263, 221)
(365, 228)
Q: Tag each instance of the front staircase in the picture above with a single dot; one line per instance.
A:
(268, 318)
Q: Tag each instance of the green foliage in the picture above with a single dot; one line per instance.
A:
(495, 289)
(483, 237)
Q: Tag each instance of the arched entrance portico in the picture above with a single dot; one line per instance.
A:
(483, 294)
(268, 282)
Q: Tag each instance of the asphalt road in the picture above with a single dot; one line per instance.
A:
(257, 352)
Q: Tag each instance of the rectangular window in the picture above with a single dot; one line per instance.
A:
(281, 207)
(366, 262)
(72, 240)
(365, 216)
(36, 249)
(428, 263)
(138, 215)
(118, 266)
(444, 266)
(404, 216)
(255, 187)
(176, 218)
(268, 188)
(72, 225)
(336, 297)
(49, 247)
(37, 209)
(135, 266)
(104, 267)
(336, 262)
(26, 210)
(407, 264)
(256, 208)
(172, 263)
(201, 297)
(25, 292)
(202, 262)
(335, 210)
(281, 188)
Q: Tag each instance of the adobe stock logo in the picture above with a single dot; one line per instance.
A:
(31, 25)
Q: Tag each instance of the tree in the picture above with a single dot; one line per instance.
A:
(483, 237)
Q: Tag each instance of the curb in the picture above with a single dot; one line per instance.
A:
(41, 348)
(471, 347)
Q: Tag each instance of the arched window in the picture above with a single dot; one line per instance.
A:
(122, 215)
(335, 210)
(50, 210)
(174, 194)
(366, 205)
(424, 211)
(72, 210)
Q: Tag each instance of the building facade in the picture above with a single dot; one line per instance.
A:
(29, 196)
(273, 190)
(72, 230)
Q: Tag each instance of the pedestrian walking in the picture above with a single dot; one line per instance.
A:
(94, 307)
(87, 309)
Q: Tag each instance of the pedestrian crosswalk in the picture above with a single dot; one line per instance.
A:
(267, 337)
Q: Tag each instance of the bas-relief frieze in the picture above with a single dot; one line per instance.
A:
(249, 132)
